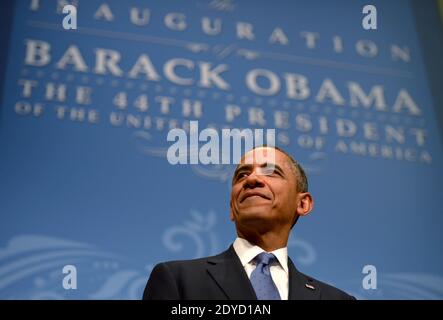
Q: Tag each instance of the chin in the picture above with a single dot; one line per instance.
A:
(254, 214)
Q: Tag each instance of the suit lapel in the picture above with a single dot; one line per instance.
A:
(229, 274)
(300, 286)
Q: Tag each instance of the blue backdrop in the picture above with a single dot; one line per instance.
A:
(84, 116)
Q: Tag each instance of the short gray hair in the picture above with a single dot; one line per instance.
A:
(302, 180)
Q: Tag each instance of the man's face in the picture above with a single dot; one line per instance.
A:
(264, 193)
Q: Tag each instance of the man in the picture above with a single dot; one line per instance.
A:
(267, 198)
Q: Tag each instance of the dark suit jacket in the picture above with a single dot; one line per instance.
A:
(223, 277)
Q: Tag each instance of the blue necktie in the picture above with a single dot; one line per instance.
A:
(261, 280)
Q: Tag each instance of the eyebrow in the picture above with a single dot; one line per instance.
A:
(250, 166)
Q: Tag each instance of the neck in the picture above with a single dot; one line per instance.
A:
(268, 241)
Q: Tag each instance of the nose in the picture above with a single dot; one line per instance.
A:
(253, 181)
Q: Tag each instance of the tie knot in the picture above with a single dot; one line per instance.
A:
(265, 258)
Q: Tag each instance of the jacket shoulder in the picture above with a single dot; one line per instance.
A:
(190, 262)
(178, 266)
(179, 279)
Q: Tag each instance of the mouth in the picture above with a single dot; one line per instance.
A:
(253, 195)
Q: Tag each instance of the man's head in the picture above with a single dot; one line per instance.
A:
(268, 194)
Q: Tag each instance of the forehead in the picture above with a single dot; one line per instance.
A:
(270, 156)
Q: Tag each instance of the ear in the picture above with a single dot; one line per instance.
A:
(305, 203)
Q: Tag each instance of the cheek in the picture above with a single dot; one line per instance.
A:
(286, 199)
(234, 194)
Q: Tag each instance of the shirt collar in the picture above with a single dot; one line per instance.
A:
(246, 251)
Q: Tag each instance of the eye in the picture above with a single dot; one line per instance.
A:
(270, 171)
(267, 171)
(241, 175)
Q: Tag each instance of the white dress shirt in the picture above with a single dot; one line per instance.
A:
(279, 269)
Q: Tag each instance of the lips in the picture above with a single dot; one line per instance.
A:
(253, 193)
